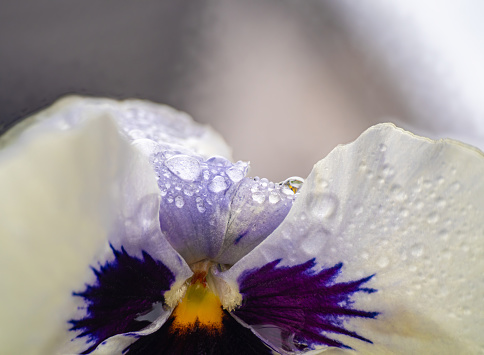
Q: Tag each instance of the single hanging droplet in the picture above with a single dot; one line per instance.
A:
(185, 167)
(293, 183)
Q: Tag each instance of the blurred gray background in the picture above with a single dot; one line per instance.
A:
(283, 81)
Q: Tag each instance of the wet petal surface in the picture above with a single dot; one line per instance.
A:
(257, 208)
(408, 210)
(195, 202)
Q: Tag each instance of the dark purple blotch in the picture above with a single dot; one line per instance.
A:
(305, 306)
(125, 289)
(232, 339)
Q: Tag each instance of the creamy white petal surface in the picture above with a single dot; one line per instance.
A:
(142, 121)
(61, 191)
(409, 210)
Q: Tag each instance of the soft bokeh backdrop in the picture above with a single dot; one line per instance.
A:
(283, 81)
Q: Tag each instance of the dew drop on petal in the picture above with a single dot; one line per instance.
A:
(274, 197)
(218, 184)
(185, 167)
(433, 218)
(417, 250)
(383, 262)
(179, 201)
(258, 197)
(146, 146)
(455, 186)
(293, 183)
(200, 207)
(236, 173)
(324, 205)
(218, 161)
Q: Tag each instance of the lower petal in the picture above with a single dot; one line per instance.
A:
(408, 210)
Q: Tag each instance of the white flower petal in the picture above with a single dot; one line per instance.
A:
(410, 211)
(60, 191)
(142, 121)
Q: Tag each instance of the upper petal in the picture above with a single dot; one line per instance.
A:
(195, 201)
(408, 210)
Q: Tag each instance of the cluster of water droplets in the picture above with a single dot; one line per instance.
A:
(422, 224)
(263, 190)
(155, 122)
(188, 178)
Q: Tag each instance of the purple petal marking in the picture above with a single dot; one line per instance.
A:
(300, 306)
(233, 339)
(125, 288)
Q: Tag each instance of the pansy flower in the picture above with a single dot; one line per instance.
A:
(126, 229)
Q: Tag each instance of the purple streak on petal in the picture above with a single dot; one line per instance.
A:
(195, 201)
(125, 288)
(257, 209)
(305, 305)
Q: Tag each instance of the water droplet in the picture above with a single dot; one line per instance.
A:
(387, 171)
(218, 184)
(398, 193)
(383, 147)
(188, 192)
(274, 197)
(218, 161)
(206, 174)
(444, 234)
(455, 186)
(440, 202)
(383, 262)
(358, 210)
(258, 197)
(324, 205)
(179, 202)
(417, 250)
(236, 173)
(146, 146)
(294, 183)
(432, 218)
(184, 166)
(201, 208)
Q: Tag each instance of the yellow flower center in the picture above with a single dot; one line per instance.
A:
(199, 307)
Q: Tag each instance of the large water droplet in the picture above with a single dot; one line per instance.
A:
(258, 197)
(218, 184)
(294, 183)
(184, 166)
(274, 197)
(324, 205)
(236, 173)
